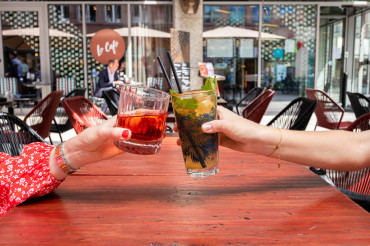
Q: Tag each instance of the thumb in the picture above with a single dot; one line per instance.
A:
(116, 133)
(223, 126)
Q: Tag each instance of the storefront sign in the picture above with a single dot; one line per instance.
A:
(107, 45)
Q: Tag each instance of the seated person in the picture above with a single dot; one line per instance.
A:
(108, 79)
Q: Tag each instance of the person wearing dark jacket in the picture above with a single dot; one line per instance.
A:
(108, 79)
(15, 70)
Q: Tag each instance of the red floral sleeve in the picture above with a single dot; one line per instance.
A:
(25, 176)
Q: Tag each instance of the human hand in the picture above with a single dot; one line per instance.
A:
(118, 83)
(234, 131)
(92, 145)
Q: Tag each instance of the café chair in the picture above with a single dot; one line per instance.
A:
(95, 100)
(329, 114)
(255, 110)
(65, 84)
(14, 134)
(252, 94)
(8, 84)
(296, 115)
(42, 115)
(111, 96)
(82, 113)
(360, 104)
(355, 185)
(61, 121)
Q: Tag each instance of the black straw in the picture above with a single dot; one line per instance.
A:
(174, 71)
(164, 72)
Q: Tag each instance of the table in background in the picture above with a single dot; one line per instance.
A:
(23, 100)
(149, 200)
(9, 104)
(218, 77)
(37, 85)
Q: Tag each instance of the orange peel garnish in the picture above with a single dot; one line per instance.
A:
(138, 113)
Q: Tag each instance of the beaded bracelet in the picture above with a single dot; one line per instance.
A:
(63, 164)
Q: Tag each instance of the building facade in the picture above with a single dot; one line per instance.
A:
(283, 45)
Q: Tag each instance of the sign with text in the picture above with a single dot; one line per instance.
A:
(107, 45)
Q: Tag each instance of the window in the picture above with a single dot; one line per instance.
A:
(61, 13)
(113, 13)
(90, 13)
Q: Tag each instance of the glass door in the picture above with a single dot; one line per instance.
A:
(23, 35)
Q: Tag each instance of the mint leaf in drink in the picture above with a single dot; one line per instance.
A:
(173, 92)
(189, 103)
(210, 84)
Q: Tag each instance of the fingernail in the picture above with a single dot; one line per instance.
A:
(207, 127)
(125, 133)
(164, 135)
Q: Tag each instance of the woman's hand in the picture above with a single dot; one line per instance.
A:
(240, 134)
(92, 145)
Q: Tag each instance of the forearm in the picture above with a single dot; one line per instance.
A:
(338, 150)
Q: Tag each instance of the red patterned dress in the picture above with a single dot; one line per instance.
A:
(25, 176)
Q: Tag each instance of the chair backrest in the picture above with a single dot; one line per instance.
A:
(357, 181)
(360, 103)
(111, 96)
(296, 115)
(42, 115)
(252, 94)
(61, 116)
(66, 84)
(93, 82)
(82, 113)
(329, 114)
(14, 134)
(77, 92)
(8, 84)
(255, 110)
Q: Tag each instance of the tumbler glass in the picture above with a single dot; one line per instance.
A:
(199, 149)
(142, 110)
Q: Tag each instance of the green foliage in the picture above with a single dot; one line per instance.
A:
(173, 92)
(210, 85)
(189, 103)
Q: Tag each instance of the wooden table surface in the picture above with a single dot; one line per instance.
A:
(149, 200)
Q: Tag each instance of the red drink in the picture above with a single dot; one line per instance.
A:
(144, 127)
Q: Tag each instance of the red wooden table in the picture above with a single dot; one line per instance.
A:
(149, 200)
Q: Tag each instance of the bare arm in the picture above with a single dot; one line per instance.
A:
(338, 150)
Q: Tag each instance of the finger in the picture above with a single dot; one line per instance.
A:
(116, 133)
(178, 142)
(111, 122)
(175, 129)
(164, 135)
(223, 126)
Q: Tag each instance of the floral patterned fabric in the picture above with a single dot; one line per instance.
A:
(25, 176)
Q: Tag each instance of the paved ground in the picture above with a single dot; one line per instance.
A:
(276, 105)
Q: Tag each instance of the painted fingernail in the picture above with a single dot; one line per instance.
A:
(164, 135)
(207, 127)
(125, 133)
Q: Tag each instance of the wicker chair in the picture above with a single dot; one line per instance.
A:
(112, 98)
(329, 114)
(42, 115)
(296, 115)
(14, 134)
(61, 121)
(252, 94)
(355, 185)
(255, 110)
(82, 113)
(360, 103)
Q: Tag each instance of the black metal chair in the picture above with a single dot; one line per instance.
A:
(14, 134)
(112, 98)
(252, 94)
(296, 115)
(61, 121)
(360, 103)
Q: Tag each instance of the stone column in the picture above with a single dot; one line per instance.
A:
(192, 23)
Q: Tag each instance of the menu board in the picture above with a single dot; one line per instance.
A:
(220, 48)
(289, 45)
(183, 74)
(246, 49)
(202, 68)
